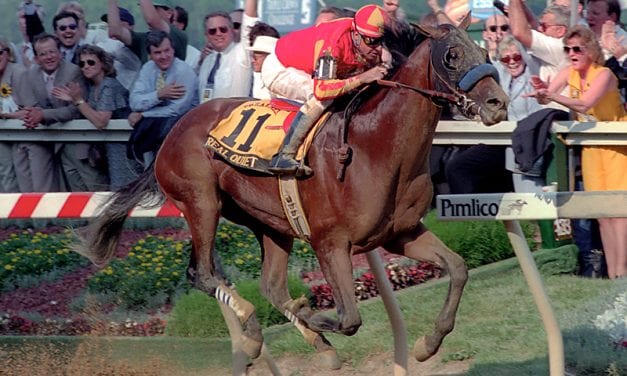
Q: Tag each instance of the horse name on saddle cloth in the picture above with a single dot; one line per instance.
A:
(254, 132)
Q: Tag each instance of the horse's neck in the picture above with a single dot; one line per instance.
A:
(415, 115)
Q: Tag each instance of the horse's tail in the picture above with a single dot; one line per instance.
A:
(98, 241)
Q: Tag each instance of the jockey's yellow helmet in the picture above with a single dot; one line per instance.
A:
(370, 21)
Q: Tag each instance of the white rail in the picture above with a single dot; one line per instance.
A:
(447, 132)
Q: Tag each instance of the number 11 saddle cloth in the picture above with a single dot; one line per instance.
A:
(254, 132)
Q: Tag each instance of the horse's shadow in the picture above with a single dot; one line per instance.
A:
(588, 351)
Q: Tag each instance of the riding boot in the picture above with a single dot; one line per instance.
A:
(283, 162)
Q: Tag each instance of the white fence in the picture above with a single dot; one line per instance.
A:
(447, 132)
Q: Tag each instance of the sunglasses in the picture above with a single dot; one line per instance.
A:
(370, 41)
(214, 30)
(236, 25)
(89, 62)
(545, 26)
(65, 27)
(515, 58)
(494, 28)
(575, 49)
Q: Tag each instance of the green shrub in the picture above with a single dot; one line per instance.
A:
(478, 242)
(196, 315)
(34, 254)
(266, 313)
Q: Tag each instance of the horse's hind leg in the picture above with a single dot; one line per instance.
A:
(425, 246)
(201, 209)
(274, 287)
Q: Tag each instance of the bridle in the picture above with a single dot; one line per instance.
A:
(455, 95)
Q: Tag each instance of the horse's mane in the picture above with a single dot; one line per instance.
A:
(400, 40)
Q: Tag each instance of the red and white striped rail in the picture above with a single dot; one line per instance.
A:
(68, 205)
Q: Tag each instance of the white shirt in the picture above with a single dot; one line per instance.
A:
(549, 54)
(192, 56)
(260, 91)
(234, 77)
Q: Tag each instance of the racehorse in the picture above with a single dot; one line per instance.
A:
(379, 200)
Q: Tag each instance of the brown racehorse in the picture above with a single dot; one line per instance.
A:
(385, 191)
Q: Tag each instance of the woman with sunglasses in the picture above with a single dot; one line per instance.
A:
(319, 63)
(594, 96)
(104, 99)
(517, 68)
(10, 73)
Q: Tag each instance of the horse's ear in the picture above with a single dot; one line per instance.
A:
(429, 31)
(465, 22)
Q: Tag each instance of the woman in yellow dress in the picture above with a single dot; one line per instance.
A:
(594, 96)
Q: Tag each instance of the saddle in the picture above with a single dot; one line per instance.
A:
(254, 132)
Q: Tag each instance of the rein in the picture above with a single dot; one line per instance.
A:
(455, 97)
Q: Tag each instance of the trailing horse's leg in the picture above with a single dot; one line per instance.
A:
(425, 246)
(337, 269)
(274, 287)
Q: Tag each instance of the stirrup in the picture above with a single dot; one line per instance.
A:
(282, 164)
(303, 171)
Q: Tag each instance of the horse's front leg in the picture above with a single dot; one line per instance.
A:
(337, 268)
(274, 287)
(423, 245)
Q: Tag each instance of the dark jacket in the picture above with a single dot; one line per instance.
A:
(531, 139)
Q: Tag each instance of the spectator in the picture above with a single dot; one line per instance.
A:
(332, 13)
(65, 26)
(237, 16)
(593, 95)
(30, 16)
(516, 82)
(226, 71)
(158, 16)
(181, 18)
(10, 74)
(290, 72)
(86, 35)
(600, 12)
(34, 161)
(165, 89)
(544, 44)
(439, 16)
(394, 10)
(261, 48)
(126, 64)
(105, 99)
(496, 28)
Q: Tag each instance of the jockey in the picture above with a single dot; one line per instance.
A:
(316, 65)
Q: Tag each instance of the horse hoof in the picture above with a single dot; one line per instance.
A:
(421, 350)
(328, 359)
(250, 347)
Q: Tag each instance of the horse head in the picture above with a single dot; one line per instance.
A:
(461, 68)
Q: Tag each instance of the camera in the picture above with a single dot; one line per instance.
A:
(500, 6)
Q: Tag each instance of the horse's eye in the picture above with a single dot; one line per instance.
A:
(453, 57)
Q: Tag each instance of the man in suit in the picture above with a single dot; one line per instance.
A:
(34, 161)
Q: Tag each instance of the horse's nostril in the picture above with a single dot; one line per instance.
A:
(495, 103)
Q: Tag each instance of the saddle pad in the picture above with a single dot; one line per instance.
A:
(253, 133)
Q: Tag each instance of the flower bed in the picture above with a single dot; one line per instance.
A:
(49, 290)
